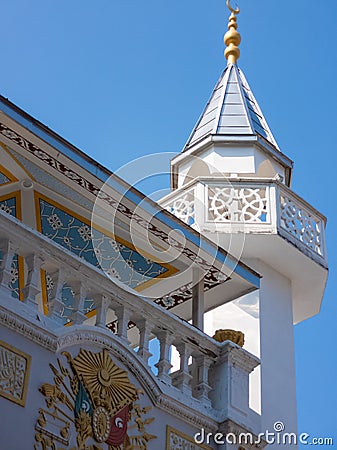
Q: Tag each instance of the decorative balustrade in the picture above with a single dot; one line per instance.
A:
(183, 207)
(238, 204)
(110, 297)
(301, 222)
(255, 204)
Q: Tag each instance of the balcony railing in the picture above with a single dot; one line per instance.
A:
(250, 205)
(113, 299)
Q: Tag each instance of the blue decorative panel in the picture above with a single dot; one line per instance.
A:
(68, 300)
(4, 179)
(9, 206)
(116, 259)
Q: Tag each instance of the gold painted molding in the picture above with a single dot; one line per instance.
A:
(14, 375)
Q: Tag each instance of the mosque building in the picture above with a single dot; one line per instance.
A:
(129, 324)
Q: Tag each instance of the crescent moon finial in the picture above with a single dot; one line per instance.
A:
(232, 38)
(234, 11)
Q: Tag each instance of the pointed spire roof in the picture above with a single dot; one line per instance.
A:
(232, 110)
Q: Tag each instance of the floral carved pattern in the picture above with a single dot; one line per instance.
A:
(212, 279)
(96, 248)
(115, 258)
(8, 206)
(14, 373)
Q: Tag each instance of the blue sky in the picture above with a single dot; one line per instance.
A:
(123, 78)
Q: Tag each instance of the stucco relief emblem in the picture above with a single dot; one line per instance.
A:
(92, 405)
(14, 373)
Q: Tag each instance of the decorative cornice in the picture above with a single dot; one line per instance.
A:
(95, 189)
(238, 357)
(28, 329)
(167, 398)
(228, 426)
(62, 338)
(183, 412)
(95, 336)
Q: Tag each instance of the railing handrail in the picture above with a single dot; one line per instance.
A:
(301, 200)
(243, 180)
(28, 240)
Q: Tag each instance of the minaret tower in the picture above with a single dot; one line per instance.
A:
(233, 184)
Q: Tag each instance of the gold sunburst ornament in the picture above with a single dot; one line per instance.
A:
(107, 384)
(93, 403)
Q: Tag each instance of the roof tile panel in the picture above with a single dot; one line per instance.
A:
(231, 110)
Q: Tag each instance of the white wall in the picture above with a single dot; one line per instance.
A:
(278, 377)
(227, 160)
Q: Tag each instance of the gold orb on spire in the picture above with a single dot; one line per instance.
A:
(232, 38)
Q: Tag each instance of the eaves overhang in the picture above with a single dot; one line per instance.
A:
(221, 260)
(52, 138)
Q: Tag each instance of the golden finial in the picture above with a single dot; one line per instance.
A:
(232, 38)
(230, 335)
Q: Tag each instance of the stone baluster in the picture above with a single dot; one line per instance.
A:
(201, 388)
(102, 303)
(123, 316)
(80, 292)
(145, 328)
(55, 302)
(164, 364)
(7, 249)
(182, 379)
(32, 286)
